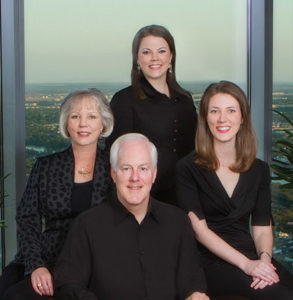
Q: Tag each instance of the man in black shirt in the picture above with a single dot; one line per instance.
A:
(131, 247)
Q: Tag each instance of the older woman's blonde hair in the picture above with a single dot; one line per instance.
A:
(246, 144)
(102, 105)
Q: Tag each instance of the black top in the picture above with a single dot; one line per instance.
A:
(108, 255)
(81, 196)
(201, 191)
(170, 123)
(45, 214)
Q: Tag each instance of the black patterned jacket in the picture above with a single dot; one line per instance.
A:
(44, 214)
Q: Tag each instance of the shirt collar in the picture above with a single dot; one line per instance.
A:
(150, 91)
(121, 213)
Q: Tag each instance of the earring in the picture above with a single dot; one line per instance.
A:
(138, 69)
(170, 68)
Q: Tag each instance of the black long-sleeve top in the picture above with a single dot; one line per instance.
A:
(108, 255)
(170, 123)
(202, 192)
(45, 212)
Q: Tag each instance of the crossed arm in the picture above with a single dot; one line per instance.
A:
(261, 270)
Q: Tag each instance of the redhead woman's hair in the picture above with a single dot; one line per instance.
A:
(246, 145)
(137, 76)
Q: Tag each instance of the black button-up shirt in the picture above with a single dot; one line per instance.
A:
(170, 123)
(109, 256)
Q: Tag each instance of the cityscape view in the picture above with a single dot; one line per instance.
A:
(43, 137)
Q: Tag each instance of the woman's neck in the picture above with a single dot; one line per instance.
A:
(84, 153)
(160, 85)
(226, 153)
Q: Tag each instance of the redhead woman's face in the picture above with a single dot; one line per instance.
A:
(154, 57)
(224, 118)
(84, 122)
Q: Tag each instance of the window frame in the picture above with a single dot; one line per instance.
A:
(259, 83)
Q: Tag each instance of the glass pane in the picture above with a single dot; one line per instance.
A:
(88, 44)
(283, 102)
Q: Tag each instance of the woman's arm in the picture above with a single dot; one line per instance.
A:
(219, 247)
(263, 240)
(29, 223)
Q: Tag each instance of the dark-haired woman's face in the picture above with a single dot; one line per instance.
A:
(154, 57)
(224, 117)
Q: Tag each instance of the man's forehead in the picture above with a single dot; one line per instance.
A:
(134, 153)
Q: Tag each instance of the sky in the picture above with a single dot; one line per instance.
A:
(90, 40)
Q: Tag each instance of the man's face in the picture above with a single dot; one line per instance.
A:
(134, 174)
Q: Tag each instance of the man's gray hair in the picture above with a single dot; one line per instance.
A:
(114, 151)
(102, 105)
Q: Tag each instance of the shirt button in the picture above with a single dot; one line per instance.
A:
(175, 130)
(174, 139)
(175, 121)
(174, 150)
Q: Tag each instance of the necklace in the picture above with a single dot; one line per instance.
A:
(83, 172)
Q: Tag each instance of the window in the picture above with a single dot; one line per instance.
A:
(80, 46)
(73, 44)
(282, 102)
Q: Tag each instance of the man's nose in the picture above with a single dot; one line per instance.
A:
(134, 175)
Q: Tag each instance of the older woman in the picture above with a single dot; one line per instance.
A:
(156, 106)
(60, 186)
(222, 186)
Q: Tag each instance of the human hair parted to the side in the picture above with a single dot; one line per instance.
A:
(102, 105)
(246, 143)
(129, 137)
(136, 75)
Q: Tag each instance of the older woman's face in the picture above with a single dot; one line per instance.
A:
(154, 57)
(84, 123)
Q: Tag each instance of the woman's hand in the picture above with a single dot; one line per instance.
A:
(259, 283)
(261, 270)
(42, 282)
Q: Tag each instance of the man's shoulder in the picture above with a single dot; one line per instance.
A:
(167, 212)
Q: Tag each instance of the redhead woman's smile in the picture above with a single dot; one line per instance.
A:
(224, 118)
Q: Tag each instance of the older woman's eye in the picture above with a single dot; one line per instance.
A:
(93, 117)
(74, 116)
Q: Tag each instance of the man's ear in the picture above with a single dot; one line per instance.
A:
(113, 174)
